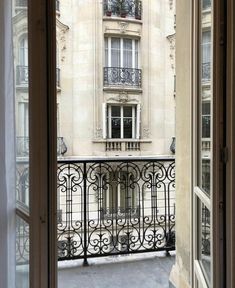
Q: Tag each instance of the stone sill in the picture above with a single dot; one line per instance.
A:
(122, 140)
(122, 88)
(121, 19)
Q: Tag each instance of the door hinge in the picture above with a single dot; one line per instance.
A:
(224, 154)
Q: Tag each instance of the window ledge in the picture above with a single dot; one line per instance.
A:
(123, 88)
(122, 140)
(121, 19)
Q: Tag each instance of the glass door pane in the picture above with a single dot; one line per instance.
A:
(203, 142)
(20, 43)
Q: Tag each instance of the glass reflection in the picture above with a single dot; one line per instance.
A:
(22, 253)
(205, 96)
(205, 251)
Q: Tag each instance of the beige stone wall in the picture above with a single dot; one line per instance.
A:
(81, 95)
(180, 275)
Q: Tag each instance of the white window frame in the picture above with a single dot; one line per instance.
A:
(135, 44)
(135, 129)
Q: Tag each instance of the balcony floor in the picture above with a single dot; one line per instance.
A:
(149, 270)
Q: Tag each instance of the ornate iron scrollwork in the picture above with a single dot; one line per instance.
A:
(116, 76)
(123, 8)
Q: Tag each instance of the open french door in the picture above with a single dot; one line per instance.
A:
(208, 144)
(33, 24)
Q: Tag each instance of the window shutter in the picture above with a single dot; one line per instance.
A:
(138, 122)
(104, 112)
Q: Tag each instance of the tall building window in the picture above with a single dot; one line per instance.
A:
(23, 52)
(121, 121)
(206, 55)
(120, 195)
(121, 52)
(206, 4)
(206, 119)
(22, 67)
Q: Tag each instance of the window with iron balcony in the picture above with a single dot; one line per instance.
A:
(122, 63)
(123, 8)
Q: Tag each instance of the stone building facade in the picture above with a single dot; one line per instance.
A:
(116, 90)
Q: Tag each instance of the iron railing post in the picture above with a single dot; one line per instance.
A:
(85, 262)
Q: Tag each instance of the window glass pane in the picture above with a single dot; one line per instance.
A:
(206, 4)
(20, 45)
(22, 253)
(206, 117)
(136, 54)
(127, 53)
(205, 242)
(206, 55)
(106, 52)
(116, 111)
(115, 52)
(205, 99)
(127, 111)
(127, 122)
(116, 127)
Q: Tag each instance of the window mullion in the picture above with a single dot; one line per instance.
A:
(109, 52)
(121, 52)
(133, 54)
(133, 122)
(122, 123)
(110, 122)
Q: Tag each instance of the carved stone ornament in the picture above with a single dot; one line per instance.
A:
(123, 27)
(123, 97)
(61, 32)
(171, 4)
(98, 133)
(146, 132)
(171, 39)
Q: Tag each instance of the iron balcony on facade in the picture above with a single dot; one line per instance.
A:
(21, 3)
(206, 72)
(109, 206)
(22, 75)
(123, 8)
(117, 76)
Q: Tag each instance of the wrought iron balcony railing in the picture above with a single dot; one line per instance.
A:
(206, 72)
(123, 8)
(22, 75)
(116, 76)
(122, 145)
(110, 207)
(22, 146)
(61, 146)
(106, 199)
(21, 3)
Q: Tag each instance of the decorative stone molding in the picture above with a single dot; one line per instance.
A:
(171, 39)
(171, 4)
(98, 133)
(146, 132)
(122, 97)
(61, 32)
(123, 27)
